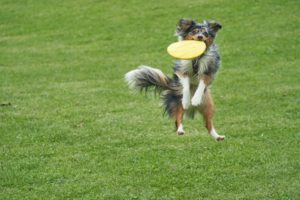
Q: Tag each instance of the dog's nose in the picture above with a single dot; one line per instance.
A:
(200, 37)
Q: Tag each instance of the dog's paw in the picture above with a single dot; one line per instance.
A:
(180, 130)
(220, 138)
(216, 136)
(196, 100)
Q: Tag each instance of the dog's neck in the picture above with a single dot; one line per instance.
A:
(200, 64)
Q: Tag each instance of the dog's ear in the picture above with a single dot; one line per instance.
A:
(213, 25)
(185, 24)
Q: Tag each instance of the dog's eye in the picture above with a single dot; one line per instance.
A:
(205, 34)
(196, 31)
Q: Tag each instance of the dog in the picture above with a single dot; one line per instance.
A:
(188, 90)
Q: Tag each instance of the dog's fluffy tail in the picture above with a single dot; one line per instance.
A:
(145, 77)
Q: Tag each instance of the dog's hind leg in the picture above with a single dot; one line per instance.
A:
(207, 110)
(179, 119)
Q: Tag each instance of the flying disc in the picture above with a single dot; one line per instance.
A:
(186, 49)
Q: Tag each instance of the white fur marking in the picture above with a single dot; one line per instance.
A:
(186, 96)
(130, 78)
(197, 98)
(180, 129)
(214, 133)
(216, 136)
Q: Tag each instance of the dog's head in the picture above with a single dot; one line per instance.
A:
(191, 30)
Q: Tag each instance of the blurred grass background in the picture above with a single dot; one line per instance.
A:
(71, 129)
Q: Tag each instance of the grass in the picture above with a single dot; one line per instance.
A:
(71, 129)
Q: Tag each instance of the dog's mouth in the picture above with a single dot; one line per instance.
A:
(207, 41)
(199, 39)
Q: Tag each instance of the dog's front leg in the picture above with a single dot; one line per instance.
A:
(197, 98)
(186, 96)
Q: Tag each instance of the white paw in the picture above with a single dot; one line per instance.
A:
(220, 138)
(216, 136)
(196, 100)
(180, 130)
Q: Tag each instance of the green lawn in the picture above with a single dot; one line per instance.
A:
(71, 129)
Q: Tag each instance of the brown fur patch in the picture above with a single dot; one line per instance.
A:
(207, 110)
(179, 115)
(207, 79)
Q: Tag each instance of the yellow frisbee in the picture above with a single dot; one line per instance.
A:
(186, 49)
